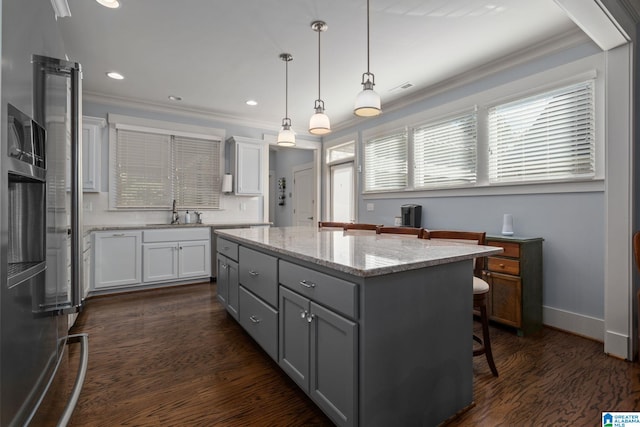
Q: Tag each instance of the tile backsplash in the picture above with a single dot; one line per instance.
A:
(233, 209)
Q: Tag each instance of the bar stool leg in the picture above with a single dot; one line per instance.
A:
(480, 302)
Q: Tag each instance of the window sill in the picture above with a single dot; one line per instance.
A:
(591, 186)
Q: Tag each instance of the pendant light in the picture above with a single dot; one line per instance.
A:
(286, 136)
(368, 101)
(319, 123)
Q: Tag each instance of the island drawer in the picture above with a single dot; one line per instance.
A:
(504, 265)
(227, 248)
(260, 321)
(337, 294)
(259, 274)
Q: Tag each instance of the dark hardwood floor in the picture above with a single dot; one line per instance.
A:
(173, 357)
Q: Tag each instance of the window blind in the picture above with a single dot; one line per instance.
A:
(386, 162)
(153, 169)
(197, 182)
(143, 170)
(445, 152)
(545, 137)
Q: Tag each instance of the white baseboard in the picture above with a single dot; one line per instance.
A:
(615, 344)
(576, 323)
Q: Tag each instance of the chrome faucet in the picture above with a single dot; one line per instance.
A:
(175, 219)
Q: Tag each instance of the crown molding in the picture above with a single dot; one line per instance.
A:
(567, 40)
(556, 44)
(104, 99)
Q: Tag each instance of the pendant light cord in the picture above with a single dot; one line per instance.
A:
(319, 31)
(368, 37)
(286, 88)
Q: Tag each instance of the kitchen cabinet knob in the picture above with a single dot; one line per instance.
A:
(501, 265)
(307, 284)
(310, 317)
(303, 314)
(254, 319)
(253, 273)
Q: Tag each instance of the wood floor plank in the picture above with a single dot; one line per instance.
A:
(174, 357)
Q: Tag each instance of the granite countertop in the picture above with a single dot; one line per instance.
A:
(90, 228)
(356, 252)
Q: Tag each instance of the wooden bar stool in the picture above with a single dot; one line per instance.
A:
(361, 226)
(480, 287)
(331, 224)
(410, 231)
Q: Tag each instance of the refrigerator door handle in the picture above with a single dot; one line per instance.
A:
(76, 186)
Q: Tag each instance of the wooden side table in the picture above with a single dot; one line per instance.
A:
(515, 279)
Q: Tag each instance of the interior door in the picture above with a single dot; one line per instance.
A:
(342, 192)
(303, 196)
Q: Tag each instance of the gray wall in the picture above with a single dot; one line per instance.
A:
(285, 159)
(572, 224)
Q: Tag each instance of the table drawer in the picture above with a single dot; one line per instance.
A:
(260, 321)
(511, 249)
(337, 294)
(259, 274)
(504, 265)
(227, 248)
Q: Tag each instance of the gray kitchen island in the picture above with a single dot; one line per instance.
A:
(375, 328)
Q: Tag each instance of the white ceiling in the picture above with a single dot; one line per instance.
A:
(218, 54)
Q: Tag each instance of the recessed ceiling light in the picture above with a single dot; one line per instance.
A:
(252, 102)
(175, 98)
(112, 4)
(114, 75)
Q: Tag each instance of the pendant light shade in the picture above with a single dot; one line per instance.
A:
(368, 101)
(286, 136)
(319, 123)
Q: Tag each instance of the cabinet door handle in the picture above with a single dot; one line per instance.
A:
(310, 317)
(224, 266)
(303, 314)
(307, 284)
(253, 273)
(117, 235)
(254, 319)
(501, 265)
(225, 248)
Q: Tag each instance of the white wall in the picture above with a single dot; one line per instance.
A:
(233, 209)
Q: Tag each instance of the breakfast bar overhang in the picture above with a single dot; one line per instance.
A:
(404, 355)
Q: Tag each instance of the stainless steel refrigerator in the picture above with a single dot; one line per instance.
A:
(41, 229)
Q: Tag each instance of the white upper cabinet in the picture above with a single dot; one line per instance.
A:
(91, 144)
(246, 158)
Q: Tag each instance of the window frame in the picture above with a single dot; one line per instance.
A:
(171, 129)
(591, 67)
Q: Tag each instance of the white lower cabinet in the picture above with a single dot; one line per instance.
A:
(160, 261)
(176, 254)
(117, 259)
(143, 257)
